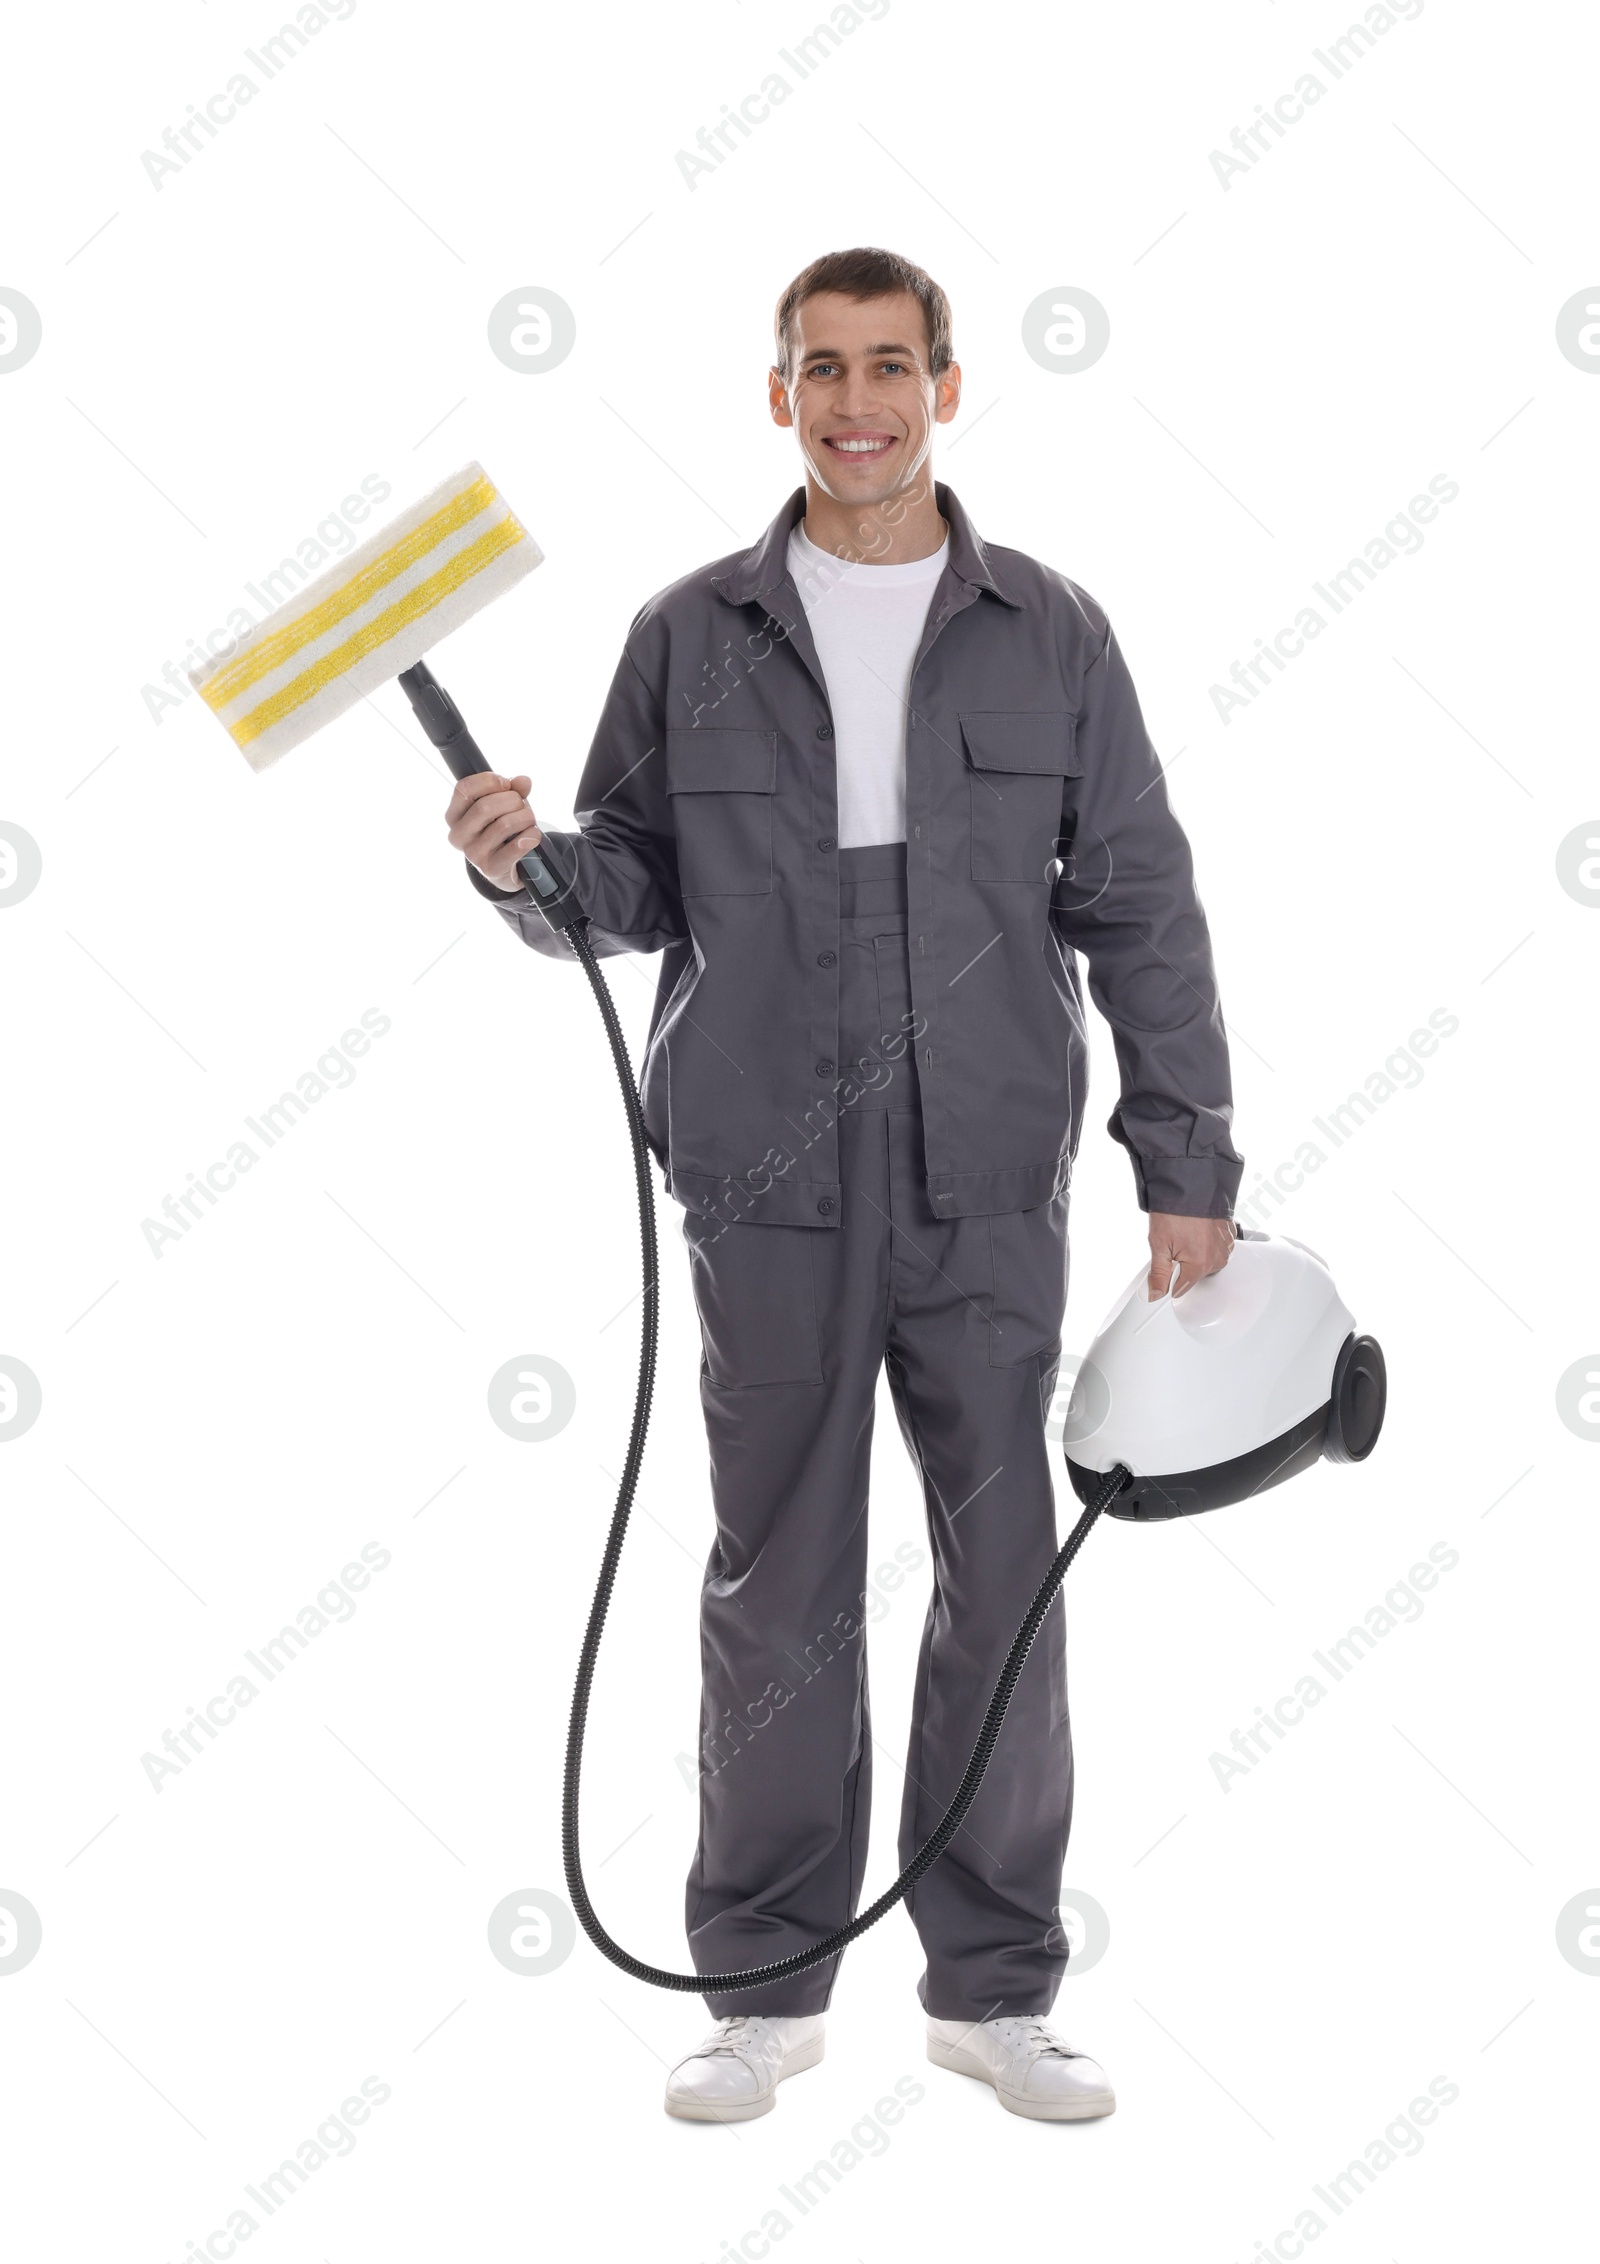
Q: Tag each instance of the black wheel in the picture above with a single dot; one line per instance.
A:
(1356, 1404)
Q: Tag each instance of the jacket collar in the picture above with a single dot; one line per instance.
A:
(757, 572)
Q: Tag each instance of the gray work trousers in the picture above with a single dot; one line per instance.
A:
(966, 1314)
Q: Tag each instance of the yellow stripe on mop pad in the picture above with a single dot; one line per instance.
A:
(368, 617)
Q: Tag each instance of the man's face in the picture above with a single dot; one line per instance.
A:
(862, 399)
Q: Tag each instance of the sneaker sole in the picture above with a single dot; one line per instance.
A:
(1087, 2109)
(687, 2108)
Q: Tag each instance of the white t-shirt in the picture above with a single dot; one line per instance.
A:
(867, 623)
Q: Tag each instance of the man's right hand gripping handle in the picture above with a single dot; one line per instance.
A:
(491, 824)
(488, 816)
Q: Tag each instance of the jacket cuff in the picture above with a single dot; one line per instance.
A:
(1188, 1186)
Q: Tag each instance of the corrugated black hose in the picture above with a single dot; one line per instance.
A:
(552, 892)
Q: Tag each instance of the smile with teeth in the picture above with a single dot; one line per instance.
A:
(862, 444)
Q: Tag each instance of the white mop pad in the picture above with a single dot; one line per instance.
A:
(367, 618)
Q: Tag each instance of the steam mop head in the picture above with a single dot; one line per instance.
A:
(374, 613)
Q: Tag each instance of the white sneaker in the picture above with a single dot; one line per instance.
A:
(1034, 2071)
(736, 2072)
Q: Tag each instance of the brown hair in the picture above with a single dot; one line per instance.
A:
(867, 273)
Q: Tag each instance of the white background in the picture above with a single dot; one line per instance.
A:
(1293, 1958)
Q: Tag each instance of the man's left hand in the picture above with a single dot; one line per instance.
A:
(1198, 1246)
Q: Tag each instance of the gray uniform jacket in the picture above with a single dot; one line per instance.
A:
(1037, 826)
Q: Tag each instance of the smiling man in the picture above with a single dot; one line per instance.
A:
(869, 787)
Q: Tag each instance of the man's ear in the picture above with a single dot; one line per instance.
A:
(778, 399)
(947, 399)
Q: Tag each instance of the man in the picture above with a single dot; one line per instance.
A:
(868, 787)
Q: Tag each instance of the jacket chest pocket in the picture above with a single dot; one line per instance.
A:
(1017, 765)
(721, 785)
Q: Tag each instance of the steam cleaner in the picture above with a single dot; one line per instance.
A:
(1179, 1406)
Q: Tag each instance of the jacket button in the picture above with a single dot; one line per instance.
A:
(824, 1068)
(827, 842)
(826, 1205)
(824, 730)
(825, 959)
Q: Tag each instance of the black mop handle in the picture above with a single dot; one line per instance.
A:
(442, 720)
